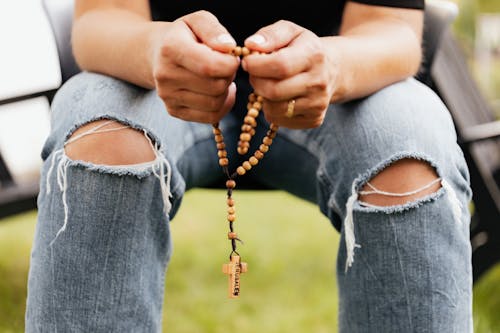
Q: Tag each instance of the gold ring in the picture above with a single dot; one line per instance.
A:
(290, 108)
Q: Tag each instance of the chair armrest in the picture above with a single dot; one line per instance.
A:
(481, 132)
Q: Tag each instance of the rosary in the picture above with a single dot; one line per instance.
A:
(236, 267)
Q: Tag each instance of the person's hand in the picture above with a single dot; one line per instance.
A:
(296, 67)
(193, 70)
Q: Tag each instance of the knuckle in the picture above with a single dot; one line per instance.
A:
(282, 68)
(208, 68)
(272, 93)
(320, 106)
(315, 123)
(160, 74)
(319, 83)
(173, 110)
(218, 87)
(214, 104)
(163, 94)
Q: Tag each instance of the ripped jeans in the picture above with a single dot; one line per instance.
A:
(102, 240)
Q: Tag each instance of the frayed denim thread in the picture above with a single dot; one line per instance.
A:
(160, 163)
(354, 204)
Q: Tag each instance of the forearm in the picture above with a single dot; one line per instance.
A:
(117, 43)
(372, 56)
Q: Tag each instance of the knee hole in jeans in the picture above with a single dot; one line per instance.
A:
(401, 182)
(109, 142)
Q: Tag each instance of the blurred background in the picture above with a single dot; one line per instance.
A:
(290, 247)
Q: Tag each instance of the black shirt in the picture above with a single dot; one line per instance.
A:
(244, 18)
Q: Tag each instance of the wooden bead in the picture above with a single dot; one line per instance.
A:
(260, 99)
(253, 112)
(216, 131)
(257, 105)
(250, 121)
(246, 165)
(271, 134)
(242, 150)
(244, 144)
(252, 97)
(231, 210)
(222, 153)
(241, 171)
(230, 202)
(219, 138)
(245, 51)
(249, 105)
(223, 162)
(245, 137)
(253, 160)
(252, 132)
(273, 127)
(258, 154)
(264, 148)
(231, 217)
(221, 145)
(232, 235)
(230, 183)
(237, 51)
(267, 141)
(246, 128)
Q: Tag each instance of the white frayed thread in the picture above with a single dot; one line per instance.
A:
(349, 220)
(404, 194)
(350, 239)
(456, 206)
(62, 168)
(95, 130)
(161, 162)
(62, 182)
(51, 168)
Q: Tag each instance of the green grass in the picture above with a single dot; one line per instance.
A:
(289, 246)
(290, 287)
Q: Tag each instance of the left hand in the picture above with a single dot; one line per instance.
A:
(295, 66)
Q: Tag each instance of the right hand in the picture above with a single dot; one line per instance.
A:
(193, 70)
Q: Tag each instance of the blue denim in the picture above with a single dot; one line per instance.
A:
(102, 241)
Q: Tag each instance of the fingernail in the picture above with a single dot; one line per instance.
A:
(257, 39)
(226, 39)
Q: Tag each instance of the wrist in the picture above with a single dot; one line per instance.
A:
(338, 69)
(156, 38)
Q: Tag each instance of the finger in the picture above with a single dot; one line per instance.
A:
(295, 122)
(192, 114)
(278, 110)
(183, 79)
(281, 90)
(189, 99)
(184, 51)
(285, 62)
(210, 31)
(198, 116)
(273, 37)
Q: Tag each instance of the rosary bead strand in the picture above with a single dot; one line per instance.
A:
(254, 106)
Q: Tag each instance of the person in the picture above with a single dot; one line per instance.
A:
(358, 135)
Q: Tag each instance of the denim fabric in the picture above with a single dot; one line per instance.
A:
(102, 241)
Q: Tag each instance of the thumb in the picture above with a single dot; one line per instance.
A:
(210, 31)
(273, 37)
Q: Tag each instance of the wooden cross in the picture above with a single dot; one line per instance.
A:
(233, 269)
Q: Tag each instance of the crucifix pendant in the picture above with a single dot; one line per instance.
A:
(234, 269)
